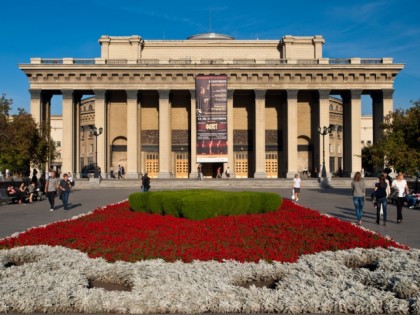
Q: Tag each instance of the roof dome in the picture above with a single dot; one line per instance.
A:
(209, 36)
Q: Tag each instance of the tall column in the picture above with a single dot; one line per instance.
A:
(351, 137)
(69, 141)
(230, 144)
(165, 141)
(132, 134)
(36, 106)
(193, 138)
(40, 107)
(382, 105)
(259, 145)
(77, 101)
(100, 122)
(323, 121)
(46, 110)
(290, 133)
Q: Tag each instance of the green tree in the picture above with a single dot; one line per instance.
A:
(400, 146)
(5, 105)
(22, 143)
(367, 162)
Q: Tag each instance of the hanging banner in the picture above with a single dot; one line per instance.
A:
(211, 98)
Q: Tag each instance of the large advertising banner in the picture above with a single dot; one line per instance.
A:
(211, 98)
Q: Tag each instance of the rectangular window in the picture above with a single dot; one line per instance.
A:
(331, 148)
(58, 144)
(91, 148)
(332, 164)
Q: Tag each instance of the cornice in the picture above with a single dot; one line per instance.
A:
(239, 77)
(227, 66)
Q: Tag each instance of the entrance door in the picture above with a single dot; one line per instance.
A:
(241, 165)
(152, 164)
(181, 165)
(271, 164)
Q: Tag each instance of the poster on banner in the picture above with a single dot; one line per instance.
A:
(211, 98)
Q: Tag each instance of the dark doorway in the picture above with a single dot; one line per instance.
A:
(210, 169)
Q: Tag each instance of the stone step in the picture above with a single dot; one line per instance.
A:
(217, 183)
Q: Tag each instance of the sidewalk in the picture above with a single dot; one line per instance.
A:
(336, 202)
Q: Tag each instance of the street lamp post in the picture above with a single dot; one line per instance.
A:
(94, 131)
(323, 132)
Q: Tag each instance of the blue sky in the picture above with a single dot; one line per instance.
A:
(57, 29)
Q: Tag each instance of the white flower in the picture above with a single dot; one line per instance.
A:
(55, 279)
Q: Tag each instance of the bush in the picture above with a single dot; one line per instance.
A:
(199, 204)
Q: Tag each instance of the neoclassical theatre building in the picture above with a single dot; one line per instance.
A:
(255, 106)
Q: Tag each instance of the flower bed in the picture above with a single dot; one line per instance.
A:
(44, 279)
(116, 233)
(55, 279)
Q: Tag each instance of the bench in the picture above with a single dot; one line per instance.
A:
(4, 197)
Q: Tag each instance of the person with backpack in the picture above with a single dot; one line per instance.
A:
(145, 183)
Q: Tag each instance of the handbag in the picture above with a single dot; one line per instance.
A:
(293, 194)
(381, 212)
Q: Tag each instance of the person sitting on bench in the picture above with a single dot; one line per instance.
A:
(12, 193)
(32, 191)
(22, 192)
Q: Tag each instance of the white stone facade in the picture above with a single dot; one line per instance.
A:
(279, 93)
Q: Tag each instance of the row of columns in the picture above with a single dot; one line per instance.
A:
(382, 105)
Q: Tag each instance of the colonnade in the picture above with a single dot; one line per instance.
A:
(382, 104)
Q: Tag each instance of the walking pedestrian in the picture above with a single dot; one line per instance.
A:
(119, 171)
(51, 189)
(219, 172)
(227, 172)
(380, 197)
(359, 193)
(297, 182)
(64, 189)
(199, 171)
(70, 179)
(400, 184)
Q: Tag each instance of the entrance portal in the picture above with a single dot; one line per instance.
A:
(210, 169)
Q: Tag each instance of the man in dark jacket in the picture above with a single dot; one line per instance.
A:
(145, 183)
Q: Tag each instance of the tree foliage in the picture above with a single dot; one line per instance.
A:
(400, 146)
(22, 143)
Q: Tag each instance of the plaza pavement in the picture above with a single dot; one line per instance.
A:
(336, 202)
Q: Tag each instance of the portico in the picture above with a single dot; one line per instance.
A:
(278, 95)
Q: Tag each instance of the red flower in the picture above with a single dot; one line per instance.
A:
(117, 233)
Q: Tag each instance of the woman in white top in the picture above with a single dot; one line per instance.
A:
(400, 184)
(296, 186)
